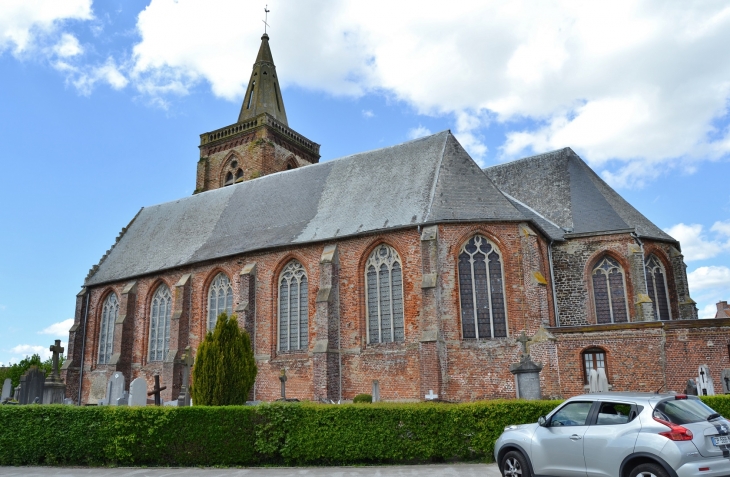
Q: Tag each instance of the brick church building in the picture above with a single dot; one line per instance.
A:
(409, 265)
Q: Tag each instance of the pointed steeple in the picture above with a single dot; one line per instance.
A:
(263, 94)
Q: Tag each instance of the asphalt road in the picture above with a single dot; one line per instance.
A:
(448, 470)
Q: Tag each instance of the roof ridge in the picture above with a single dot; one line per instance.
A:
(436, 176)
(530, 209)
(529, 157)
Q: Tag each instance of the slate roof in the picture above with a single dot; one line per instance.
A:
(429, 180)
(561, 189)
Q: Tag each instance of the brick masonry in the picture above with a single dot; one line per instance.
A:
(339, 362)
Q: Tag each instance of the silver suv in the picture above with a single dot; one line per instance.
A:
(619, 435)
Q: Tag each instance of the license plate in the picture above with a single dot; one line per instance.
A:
(721, 441)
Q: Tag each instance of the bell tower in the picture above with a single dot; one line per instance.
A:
(260, 142)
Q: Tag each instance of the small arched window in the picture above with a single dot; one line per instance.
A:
(229, 179)
(293, 307)
(593, 358)
(250, 95)
(609, 292)
(384, 300)
(239, 175)
(656, 284)
(160, 313)
(109, 314)
(481, 289)
(220, 299)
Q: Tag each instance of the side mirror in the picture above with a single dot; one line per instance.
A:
(541, 421)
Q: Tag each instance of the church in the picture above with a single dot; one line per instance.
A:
(408, 265)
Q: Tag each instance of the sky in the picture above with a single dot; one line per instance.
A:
(102, 105)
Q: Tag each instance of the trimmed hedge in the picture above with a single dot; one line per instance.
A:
(276, 433)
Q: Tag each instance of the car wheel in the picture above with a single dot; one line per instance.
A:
(648, 470)
(514, 464)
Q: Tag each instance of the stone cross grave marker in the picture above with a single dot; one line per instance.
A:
(376, 391)
(156, 390)
(523, 340)
(115, 389)
(725, 381)
(187, 362)
(55, 389)
(35, 380)
(705, 386)
(7, 389)
(138, 392)
(283, 379)
(431, 396)
(691, 388)
(57, 350)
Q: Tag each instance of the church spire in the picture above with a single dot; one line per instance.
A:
(263, 94)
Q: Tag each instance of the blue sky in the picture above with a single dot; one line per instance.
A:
(101, 105)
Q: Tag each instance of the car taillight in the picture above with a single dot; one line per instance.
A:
(680, 396)
(675, 432)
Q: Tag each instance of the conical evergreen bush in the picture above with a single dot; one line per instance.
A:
(225, 369)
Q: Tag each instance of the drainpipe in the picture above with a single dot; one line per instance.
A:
(552, 284)
(83, 345)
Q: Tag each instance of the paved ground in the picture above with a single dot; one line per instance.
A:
(448, 470)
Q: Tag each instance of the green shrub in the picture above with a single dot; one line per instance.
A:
(362, 398)
(225, 368)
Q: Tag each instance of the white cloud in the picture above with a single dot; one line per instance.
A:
(368, 114)
(708, 311)
(22, 21)
(709, 277)
(639, 83)
(85, 78)
(68, 46)
(29, 350)
(695, 244)
(59, 329)
(420, 131)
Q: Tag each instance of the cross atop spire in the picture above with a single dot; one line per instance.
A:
(266, 9)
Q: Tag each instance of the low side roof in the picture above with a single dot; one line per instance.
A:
(560, 187)
(423, 181)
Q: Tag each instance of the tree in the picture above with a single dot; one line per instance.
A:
(225, 368)
(16, 370)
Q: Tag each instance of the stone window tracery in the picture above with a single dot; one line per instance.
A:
(109, 314)
(656, 284)
(609, 292)
(293, 308)
(160, 313)
(481, 290)
(220, 299)
(384, 296)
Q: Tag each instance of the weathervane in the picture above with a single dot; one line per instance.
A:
(266, 9)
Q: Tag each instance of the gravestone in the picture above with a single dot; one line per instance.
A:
(526, 372)
(187, 362)
(376, 391)
(691, 388)
(33, 385)
(114, 390)
(54, 390)
(97, 392)
(69, 402)
(602, 380)
(705, 386)
(124, 400)
(156, 390)
(283, 378)
(725, 381)
(7, 389)
(592, 381)
(138, 392)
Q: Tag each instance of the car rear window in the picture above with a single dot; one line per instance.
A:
(683, 411)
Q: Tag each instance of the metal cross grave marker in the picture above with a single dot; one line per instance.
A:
(156, 390)
(283, 378)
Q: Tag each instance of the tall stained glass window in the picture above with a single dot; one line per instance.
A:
(160, 313)
(293, 308)
(220, 299)
(481, 290)
(656, 284)
(609, 292)
(109, 314)
(384, 300)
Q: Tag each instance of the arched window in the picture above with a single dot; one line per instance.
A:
(481, 289)
(220, 299)
(656, 284)
(239, 174)
(293, 307)
(229, 179)
(384, 301)
(250, 96)
(160, 312)
(593, 358)
(109, 314)
(609, 292)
